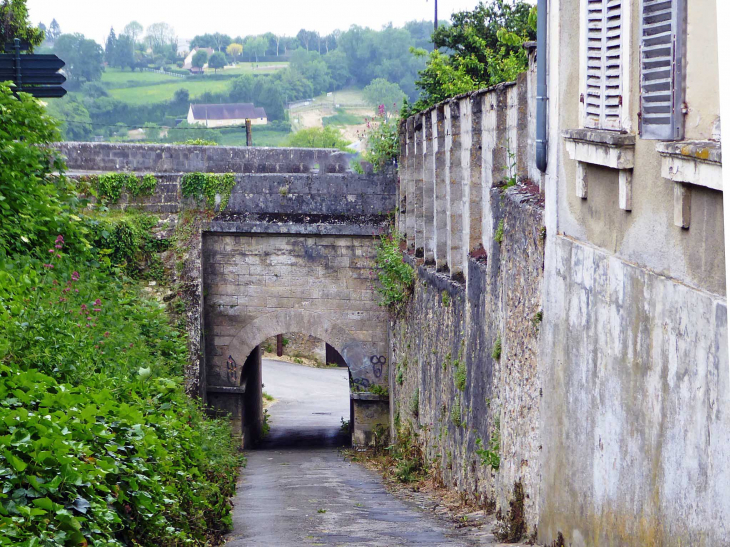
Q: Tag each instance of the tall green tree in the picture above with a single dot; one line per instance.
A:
(241, 89)
(83, 57)
(54, 31)
(200, 58)
(110, 49)
(381, 92)
(216, 61)
(14, 23)
(255, 47)
(134, 30)
(124, 52)
(485, 48)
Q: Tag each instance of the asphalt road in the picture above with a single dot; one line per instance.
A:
(298, 490)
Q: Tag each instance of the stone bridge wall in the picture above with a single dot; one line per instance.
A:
(270, 181)
(477, 238)
(248, 276)
(293, 251)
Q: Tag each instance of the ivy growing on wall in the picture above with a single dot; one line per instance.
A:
(204, 187)
(109, 187)
(395, 275)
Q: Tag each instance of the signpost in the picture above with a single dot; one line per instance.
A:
(34, 74)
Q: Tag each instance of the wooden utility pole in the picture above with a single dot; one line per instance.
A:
(249, 134)
(279, 345)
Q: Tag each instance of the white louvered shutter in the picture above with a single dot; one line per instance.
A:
(662, 78)
(604, 64)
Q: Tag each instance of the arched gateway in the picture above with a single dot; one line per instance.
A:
(293, 251)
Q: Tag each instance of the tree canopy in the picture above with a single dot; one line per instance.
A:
(14, 23)
(216, 61)
(200, 58)
(484, 48)
(83, 57)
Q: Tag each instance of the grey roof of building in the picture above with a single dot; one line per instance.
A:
(233, 111)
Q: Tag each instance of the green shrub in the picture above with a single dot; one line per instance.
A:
(395, 275)
(100, 444)
(383, 143)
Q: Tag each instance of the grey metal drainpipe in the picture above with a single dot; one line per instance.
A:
(542, 92)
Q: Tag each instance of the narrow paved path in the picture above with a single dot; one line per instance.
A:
(298, 490)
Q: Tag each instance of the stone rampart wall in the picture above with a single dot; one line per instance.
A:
(170, 158)
(471, 211)
(446, 384)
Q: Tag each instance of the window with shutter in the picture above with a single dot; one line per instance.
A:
(604, 64)
(662, 86)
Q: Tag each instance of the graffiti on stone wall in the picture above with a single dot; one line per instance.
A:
(378, 362)
(365, 369)
(232, 368)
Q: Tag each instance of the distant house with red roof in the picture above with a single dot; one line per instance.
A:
(224, 115)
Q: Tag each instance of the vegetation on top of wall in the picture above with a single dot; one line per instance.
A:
(395, 275)
(383, 142)
(110, 186)
(485, 48)
(101, 445)
(210, 188)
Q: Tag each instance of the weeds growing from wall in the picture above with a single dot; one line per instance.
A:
(208, 188)
(499, 234)
(497, 349)
(489, 455)
(460, 375)
(455, 415)
(396, 277)
(414, 403)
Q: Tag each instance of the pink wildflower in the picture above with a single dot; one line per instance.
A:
(51, 251)
(49, 266)
(97, 309)
(97, 302)
(83, 306)
(106, 334)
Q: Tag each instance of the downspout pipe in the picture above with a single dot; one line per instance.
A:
(542, 91)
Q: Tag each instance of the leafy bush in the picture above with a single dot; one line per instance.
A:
(396, 276)
(99, 445)
(32, 202)
(318, 137)
(383, 144)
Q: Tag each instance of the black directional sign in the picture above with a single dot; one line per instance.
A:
(34, 74)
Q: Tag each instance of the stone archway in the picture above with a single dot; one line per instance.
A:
(365, 369)
(241, 399)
